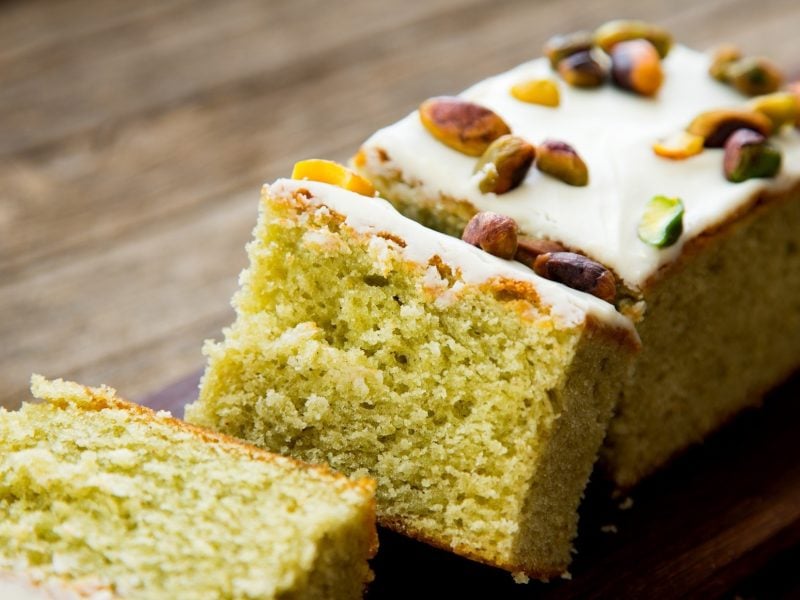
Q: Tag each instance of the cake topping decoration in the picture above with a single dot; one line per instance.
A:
(724, 56)
(528, 249)
(504, 164)
(464, 126)
(715, 126)
(537, 91)
(752, 76)
(679, 146)
(493, 233)
(781, 108)
(559, 47)
(747, 156)
(794, 89)
(328, 171)
(560, 160)
(582, 70)
(662, 222)
(610, 34)
(578, 272)
(636, 66)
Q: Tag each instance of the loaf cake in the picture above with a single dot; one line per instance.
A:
(653, 161)
(475, 392)
(103, 499)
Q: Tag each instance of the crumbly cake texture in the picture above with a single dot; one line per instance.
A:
(722, 328)
(478, 408)
(101, 498)
(718, 311)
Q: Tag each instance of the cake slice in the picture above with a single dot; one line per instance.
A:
(475, 392)
(100, 498)
(636, 168)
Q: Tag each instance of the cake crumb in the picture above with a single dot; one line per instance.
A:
(566, 575)
(609, 528)
(626, 504)
(520, 577)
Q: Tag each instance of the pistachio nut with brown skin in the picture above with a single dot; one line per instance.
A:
(560, 160)
(724, 56)
(582, 70)
(561, 46)
(754, 76)
(493, 233)
(504, 164)
(578, 272)
(608, 35)
(636, 66)
(464, 126)
(749, 156)
(529, 249)
(715, 126)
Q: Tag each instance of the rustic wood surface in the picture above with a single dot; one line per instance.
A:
(134, 138)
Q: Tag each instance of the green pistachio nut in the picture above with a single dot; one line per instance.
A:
(662, 222)
(749, 156)
(560, 160)
(504, 164)
(608, 35)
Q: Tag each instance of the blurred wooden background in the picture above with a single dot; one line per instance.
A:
(134, 138)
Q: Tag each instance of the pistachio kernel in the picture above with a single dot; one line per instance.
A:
(582, 70)
(493, 233)
(679, 146)
(537, 91)
(578, 272)
(504, 164)
(662, 221)
(328, 171)
(560, 160)
(528, 249)
(748, 156)
(781, 108)
(754, 76)
(560, 47)
(464, 126)
(636, 66)
(612, 33)
(724, 56)
(715, 126)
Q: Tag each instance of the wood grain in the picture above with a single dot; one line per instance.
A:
(133, 141)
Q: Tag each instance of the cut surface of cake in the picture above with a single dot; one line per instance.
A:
(475, 392)
(714, 286)
(101, 498)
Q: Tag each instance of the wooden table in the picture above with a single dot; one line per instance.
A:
(134, 138)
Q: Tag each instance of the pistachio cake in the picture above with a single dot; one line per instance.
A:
(100, 498)
(651, 160)
(475, 392)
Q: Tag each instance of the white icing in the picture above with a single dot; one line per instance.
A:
(613, 131)
(372, 215)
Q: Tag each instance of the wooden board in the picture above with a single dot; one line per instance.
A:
(134, 138)
(723, 520)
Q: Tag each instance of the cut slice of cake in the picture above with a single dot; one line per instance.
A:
(474, 391)
(630, 170)
(100, 498)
